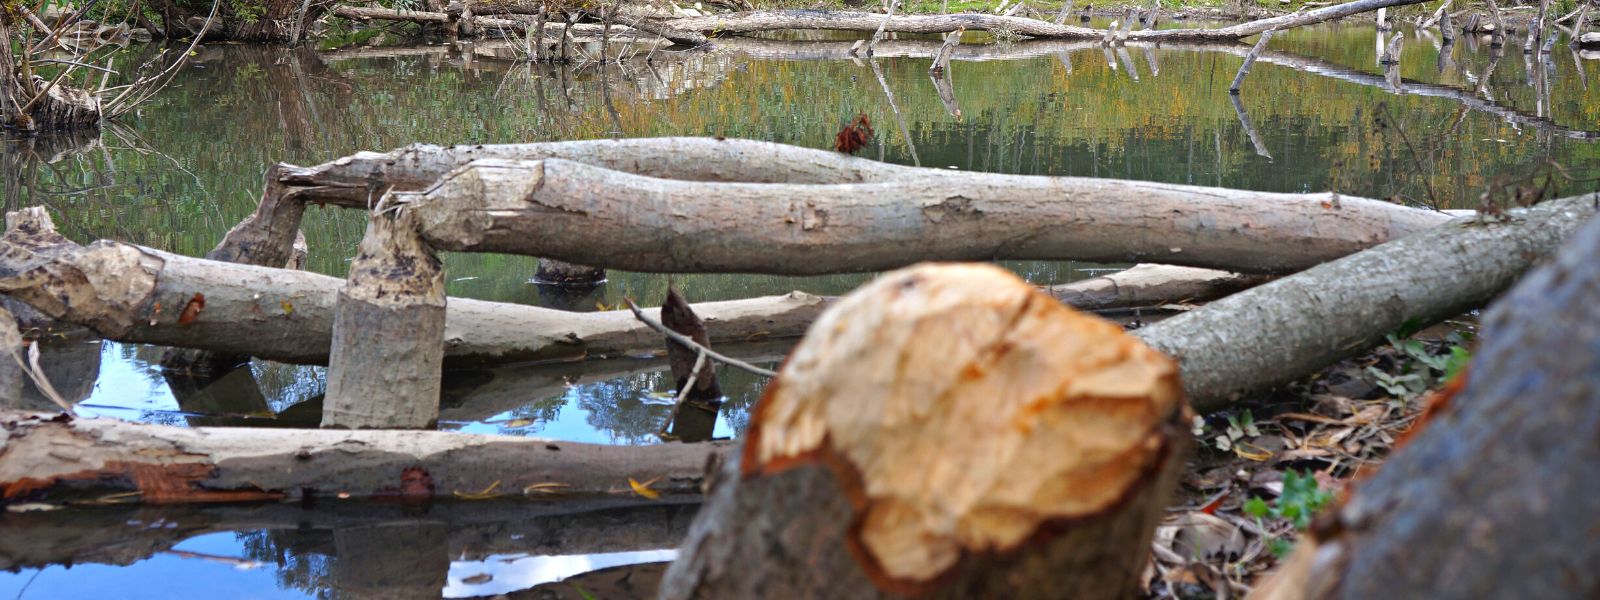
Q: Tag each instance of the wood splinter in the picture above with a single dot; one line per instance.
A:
(945, 431)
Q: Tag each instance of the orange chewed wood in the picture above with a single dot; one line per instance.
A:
(965, 412)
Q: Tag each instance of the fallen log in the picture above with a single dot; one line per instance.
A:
(945, 431)
(589, 215)
(132, 294)
(1496, 496)
(644, 30)
(388, 324)
(44, 458)
(777, 20)
(1289, 328)
(1150, 286)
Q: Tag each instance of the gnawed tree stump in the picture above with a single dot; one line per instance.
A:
(695, 415)
(945, 431)
(565, 274)
(388, 325)
(1496, 497)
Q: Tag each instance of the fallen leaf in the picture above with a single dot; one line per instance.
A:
(1201, 536)
(486, 494)
(643, 489)
(288, 309)
(192, 310)
(545, 488)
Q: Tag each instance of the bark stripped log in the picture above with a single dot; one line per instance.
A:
(774, 20)
(945, 431)
(388, 331)
(1290, 328)
(1496, 496)
(51, 459)
(1150, 286)
(580, 213)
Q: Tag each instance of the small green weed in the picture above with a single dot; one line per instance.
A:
(1301, 498)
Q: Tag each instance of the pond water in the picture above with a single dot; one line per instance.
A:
(1315, 114)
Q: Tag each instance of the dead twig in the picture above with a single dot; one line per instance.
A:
(684, 341)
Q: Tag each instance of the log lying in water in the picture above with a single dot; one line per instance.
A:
(1291, 327)
(945, 431)
(1496, 496)
(580, 213)
(775, 20)
(52, 459)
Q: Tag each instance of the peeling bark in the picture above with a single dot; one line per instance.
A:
(580, 213)
(53, 460)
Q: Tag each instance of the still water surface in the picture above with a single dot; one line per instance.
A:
(1316, 114)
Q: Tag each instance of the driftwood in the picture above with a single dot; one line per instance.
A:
(1496, 496)
(1293, 326)
(580, 213)
(945, 431)
(56, 459)
(774, 20)
(388, 328)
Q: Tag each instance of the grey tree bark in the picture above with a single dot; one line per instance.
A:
(1496, 496)
(580, 213)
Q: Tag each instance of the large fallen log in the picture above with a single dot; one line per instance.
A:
(45, 458)
(1291, 327)
(589, 215)
(776, 20)
(1496, 496)
(133, 294)
(945, 431)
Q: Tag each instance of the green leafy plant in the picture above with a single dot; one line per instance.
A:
(1301, 498)
(1421, 369)
(1240, 426)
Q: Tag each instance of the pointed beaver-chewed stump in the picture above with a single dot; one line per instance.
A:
(693, 419)
(945, 431)
(388, 328)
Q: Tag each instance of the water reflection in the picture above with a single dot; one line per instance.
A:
(189, 166)
(453, 549)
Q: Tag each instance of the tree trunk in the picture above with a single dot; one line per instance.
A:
(1496, 496)
(580, 213)
(61, 107)
(271, 21)
(1292, 327)
(1151, 286)
(57, 459)
(388, 328)
(947, 432)
(775, 20)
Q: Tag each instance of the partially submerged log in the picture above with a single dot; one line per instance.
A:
(1291, 327)
(1496, 496)
(388, 329)
(945, 431)
(57, 459)
(580, 213)
(565, 274)
(774, 20)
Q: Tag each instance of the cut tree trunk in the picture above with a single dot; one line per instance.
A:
(948, 432)
(580, 213)
(388, 329)
(1292, 327)
(1496, 496)
(777, 20)
(58, 459)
